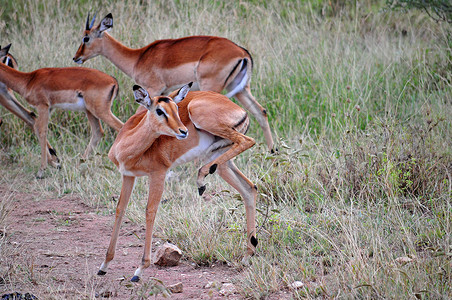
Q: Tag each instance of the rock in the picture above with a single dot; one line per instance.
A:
(227, 289)
(403, 260)
(176, 288)
(167, 255)
(296, 285)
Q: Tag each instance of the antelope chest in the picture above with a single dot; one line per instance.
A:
(200, 150)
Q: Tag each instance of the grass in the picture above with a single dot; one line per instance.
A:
(359, 100)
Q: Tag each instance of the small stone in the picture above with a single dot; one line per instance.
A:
(403, 260)
(296, 285)
(209, 285)
(227, 289)
(167, 255)
(176, 288)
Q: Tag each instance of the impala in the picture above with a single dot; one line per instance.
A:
(212, 63)
(79, 89)
(10, 102)
(170, 135)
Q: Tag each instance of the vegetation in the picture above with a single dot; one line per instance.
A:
(360, 101)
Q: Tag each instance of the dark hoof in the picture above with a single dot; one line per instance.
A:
(101, 273)
(40, 175)
(135, 279)
(201, 190)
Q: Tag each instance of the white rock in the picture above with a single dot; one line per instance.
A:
(167, 255)
(296, 285)
(176, 288)
(227, 289)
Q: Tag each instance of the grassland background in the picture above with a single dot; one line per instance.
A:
(359, 99)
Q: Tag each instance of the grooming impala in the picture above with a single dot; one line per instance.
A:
(212, 63)
(9, 101)
(79, 89)
(156, 139)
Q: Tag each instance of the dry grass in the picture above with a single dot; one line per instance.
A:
(360, 104)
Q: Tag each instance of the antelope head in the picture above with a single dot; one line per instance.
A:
(92, 38)
(163, 112)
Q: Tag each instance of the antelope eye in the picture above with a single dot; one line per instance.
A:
(159, 112)
(86, 39)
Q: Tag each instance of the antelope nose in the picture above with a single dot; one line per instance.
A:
(183, 132)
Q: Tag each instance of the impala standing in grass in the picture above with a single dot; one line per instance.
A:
(9, 101)
(78, 89)
(212, 63)
(171, 134)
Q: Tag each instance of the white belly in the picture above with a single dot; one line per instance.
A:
(205, 141)
(79, 105)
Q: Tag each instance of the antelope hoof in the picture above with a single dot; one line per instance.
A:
(101, 273)
(201, 190)
(135, 279)
(40, 174)
(246, 261)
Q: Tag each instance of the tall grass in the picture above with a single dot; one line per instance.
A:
(359, 101)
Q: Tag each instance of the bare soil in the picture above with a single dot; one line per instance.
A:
(67, 240)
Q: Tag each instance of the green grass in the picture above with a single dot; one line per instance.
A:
(359, 101)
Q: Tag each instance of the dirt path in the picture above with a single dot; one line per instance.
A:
(66, 241)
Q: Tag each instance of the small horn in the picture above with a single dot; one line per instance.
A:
(87, 23)
(92, 22)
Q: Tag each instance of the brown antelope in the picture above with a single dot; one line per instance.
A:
(163, 135)
(212, 63)
(79, 89)
(9, 101)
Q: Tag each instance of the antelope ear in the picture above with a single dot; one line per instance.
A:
(106, 23)
(5, 50)
(182, 93)
(142, 96)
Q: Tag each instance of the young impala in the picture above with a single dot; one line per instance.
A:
(163, 135)
(9, 101)
(212, 63)
(79, 89)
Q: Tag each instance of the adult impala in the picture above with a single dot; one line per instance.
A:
(212, 63)
(166, 140)
(9, 101)
(79, 89)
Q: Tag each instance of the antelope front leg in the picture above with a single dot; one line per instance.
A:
(156, 184)
(126, 190)
(41, 127)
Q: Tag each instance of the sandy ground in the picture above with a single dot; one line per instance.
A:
(67, 240)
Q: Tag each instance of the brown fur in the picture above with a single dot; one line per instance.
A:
(9, 101)
(155, 153)
(48, 88)
(164, 65)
